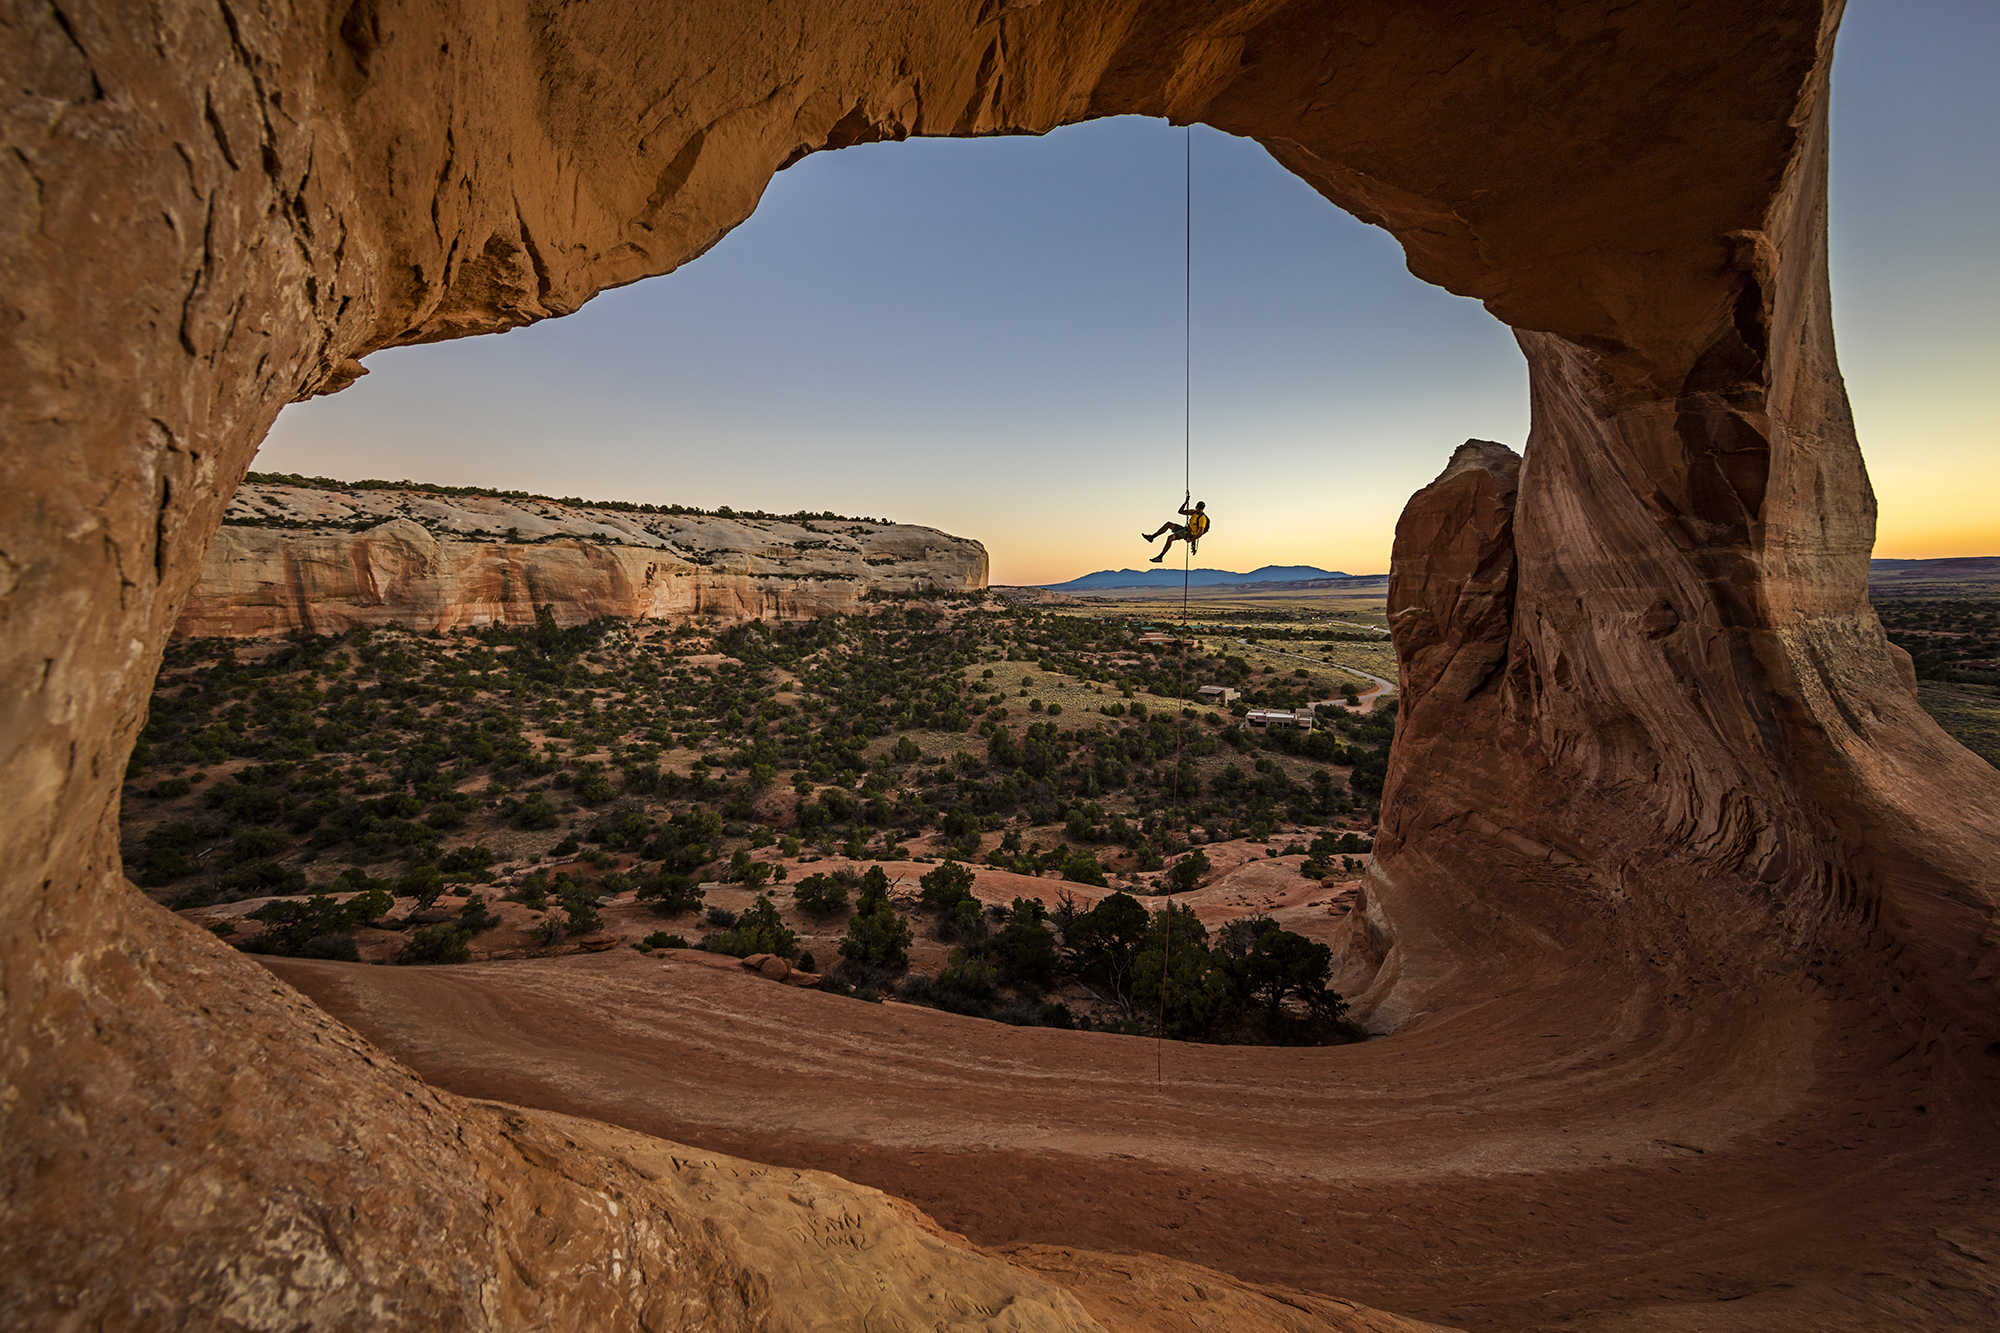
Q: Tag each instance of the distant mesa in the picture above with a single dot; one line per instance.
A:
(1951, 576)
(323, 555)
(1200, 578)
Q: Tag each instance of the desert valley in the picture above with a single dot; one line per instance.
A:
(828, 889)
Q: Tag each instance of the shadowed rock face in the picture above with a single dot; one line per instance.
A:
(437, 562)
(1660, 754)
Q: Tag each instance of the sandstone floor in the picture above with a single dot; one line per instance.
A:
(1546, 1159)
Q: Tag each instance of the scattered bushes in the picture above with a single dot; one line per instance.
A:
(579, 906)
(306, 929)
(468, 860)
(943, 888)
(672, 894)
(436, 944)
(758, 930)
(820, 896)
(536, 811)
(878, 936)
(1188, 872)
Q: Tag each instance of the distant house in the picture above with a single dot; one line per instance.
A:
(1261, 719)
(1216, 694)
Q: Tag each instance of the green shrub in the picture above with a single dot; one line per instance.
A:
(466, 860)
(160, 866)
(1082, 868)
(672, 894)
(944, 887)
(436, 944)
(743, 870)
(1024, 948)
(336, 948)
(820, 896)
(964, 924)
(966, 986)
(255, 844)
(474, 917)
(291, 927)
(758, 930)
(533, 890)
(659, 939)
(538, 812)
(581, 907)
(1188, 872)
(874, 888)
(878, 938)
(263, 877)
(425, 884)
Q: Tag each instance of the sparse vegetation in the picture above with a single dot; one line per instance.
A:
(552, 766)
(1954, 643)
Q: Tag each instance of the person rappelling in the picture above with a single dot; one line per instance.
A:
(1190, 532)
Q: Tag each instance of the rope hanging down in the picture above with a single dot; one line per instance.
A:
(1187, 557)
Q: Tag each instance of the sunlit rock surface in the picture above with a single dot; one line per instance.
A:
(291, 557)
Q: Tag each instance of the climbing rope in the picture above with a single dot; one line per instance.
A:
(1187, 557)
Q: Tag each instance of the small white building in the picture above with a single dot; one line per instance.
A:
(1216, 694)
(1261, 719)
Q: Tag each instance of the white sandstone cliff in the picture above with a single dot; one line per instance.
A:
(324, 560)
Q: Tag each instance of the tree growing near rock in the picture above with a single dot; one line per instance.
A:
(943, 888)
(318, 927)
(1272, 965)
(878, 936)
(1081, 867)
(1176, 980)
(1024, 948)
(820, 896)
(1104, 943)
(758, 930)
(1188, 872)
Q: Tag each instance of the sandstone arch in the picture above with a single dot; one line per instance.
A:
(1657, 748)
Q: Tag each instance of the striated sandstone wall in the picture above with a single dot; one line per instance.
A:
(441, 562)
(1692, 750)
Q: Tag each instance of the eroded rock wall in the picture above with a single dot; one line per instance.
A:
(1649, 716)
(211, 210)
(322, 561)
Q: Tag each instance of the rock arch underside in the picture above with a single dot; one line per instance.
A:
(1682, 917)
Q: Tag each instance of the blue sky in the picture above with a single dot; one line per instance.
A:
(986, 336)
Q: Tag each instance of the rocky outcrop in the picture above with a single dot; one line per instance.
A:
(300, 558)
(1691, 794)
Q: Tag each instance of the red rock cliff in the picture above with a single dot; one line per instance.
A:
(1663, 775)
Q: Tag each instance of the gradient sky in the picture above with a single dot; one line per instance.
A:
(985, 336)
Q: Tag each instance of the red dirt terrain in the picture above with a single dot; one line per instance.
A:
(1601, 1160)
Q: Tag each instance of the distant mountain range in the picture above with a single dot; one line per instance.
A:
(1984, 565)
(1965, 575)
(1914, 577)
(1200, 578)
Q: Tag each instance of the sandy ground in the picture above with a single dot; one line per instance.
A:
(1540, 1160)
